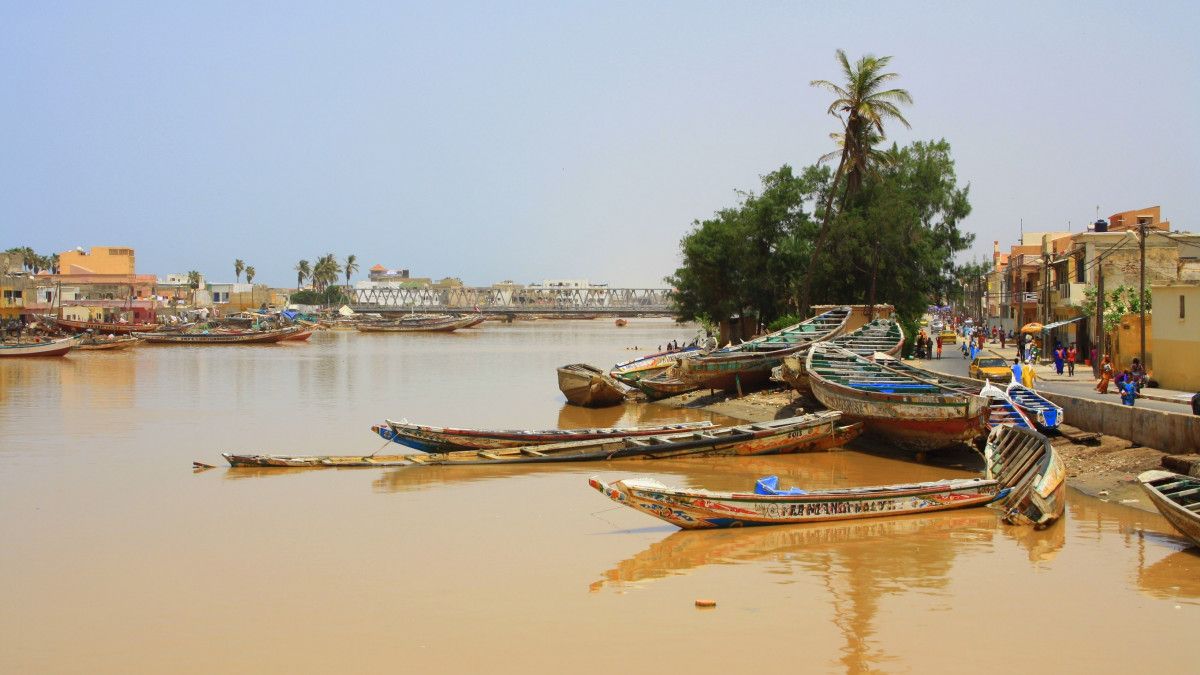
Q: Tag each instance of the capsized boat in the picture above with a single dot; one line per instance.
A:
(749, 364)
(589, 386)
(1024, 460)
(441, 439)
(881, 336)
(806, 433)
(47, 347)
(696, 509)
(1177, 498)
(898, 405)
(1044, 414)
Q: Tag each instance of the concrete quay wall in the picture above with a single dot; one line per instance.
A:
(1170, 432)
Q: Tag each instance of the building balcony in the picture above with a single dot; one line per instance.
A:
(1068, 295)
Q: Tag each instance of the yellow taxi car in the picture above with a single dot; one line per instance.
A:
(990, 367)
(949, 337)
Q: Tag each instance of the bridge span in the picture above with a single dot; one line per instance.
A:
(607, 301)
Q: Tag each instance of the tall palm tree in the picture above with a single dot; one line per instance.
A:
(303, 271)
(326, 271)
(238, 266)
(862, 105)
(250, 275)
(351, 266)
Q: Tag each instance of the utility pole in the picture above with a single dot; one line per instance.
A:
(1142, 286)
(1101, 336)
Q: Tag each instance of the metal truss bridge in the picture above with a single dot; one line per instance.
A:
(609, 301)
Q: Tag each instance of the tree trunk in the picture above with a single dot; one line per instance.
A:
(874, 275)
(822, 235)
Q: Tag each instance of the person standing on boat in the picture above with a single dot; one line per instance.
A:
(1016, 370)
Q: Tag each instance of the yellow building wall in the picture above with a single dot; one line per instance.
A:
(1127, 342)
(100, 260)
(1176, 339)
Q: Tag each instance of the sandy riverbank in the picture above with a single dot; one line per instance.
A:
(1106, 467)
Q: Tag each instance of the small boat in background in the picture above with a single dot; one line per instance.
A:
(749, 364)
(589, 386)
(1044, 414)
(695, 509)
(881, 336)
(220, 337)
(441, 439)
(301, 336)
(806, 433)
(97, 343)
(1177, 498)
(419, 324)
(45, 347)
(102, 327)
(1024, 460)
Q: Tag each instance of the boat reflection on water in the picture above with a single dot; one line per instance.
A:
(846, 557)
(1175, 576)
(634, 415)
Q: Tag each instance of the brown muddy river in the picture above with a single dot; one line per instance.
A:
(115, 557)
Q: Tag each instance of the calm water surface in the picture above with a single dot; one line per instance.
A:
(115, 557)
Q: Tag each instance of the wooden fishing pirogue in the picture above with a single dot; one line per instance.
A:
(1001, 409)
(749, 364)
(589, 386)
(694, 509)
(1044, 414)
(666, 383)
(881, 336)
(1177, 498)
(441, 324)
(629, 372)
(807, 433)
(221, 337)
(1024, 460)
(442, 439)
(102, 327)
(902, 407)
(47, 348)
(95, 343)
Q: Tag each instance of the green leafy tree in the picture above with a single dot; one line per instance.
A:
(1118, 303)
(250, 272)
(351, 267)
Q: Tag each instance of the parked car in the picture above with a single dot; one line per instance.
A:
(990, 367)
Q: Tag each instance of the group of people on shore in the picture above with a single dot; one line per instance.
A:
(1129, 382)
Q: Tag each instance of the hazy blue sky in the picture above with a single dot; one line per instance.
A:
(529, 140)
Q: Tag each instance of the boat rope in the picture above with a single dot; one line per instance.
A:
(596, 515)
(385, 444)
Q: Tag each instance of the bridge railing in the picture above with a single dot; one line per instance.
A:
(516, 299)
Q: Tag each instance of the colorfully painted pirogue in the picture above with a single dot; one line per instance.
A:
(897, 405)
(694, 509)
(806, 433)
(429, 438)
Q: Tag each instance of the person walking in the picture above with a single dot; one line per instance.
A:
(1016, 370)
(1106, 373)
(1072, 356)
(1029, 376)
(1060, 357)
(939, 345)
(1002, 338)
(1128, 390)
